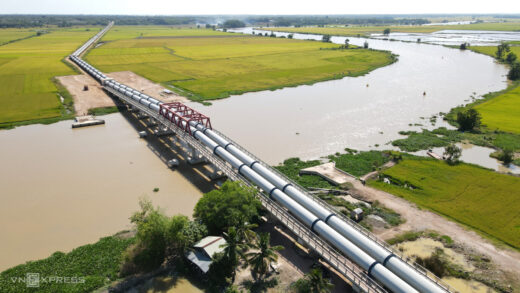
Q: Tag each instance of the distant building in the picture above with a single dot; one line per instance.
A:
(203, 251)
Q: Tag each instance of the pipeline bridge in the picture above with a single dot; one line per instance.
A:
(367, 262)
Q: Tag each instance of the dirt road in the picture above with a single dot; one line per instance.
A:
(416, 219)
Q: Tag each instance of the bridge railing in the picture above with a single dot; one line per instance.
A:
(352, 223)
(339, 262)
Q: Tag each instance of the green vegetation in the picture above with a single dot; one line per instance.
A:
(27, 68)
(13, 35)
(262, 255)
(359, 163)
(367, 30)
(233, 23)
(207, 64)
(232, 205)
(103, 110)
(404, 237)
(89, 267)
(442, 137)
(468, 120)
(291, 168)
(312, 282)
(492, 50)
(452, 154)
(426, 139)
(158, 238)
(474, 196)
(352, 162)
(501, 112)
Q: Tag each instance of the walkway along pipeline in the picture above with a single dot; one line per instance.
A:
(381, 264)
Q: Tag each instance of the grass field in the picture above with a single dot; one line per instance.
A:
(502, 112)
(367, 30)
(476, 197)
(491, 50)
(212, 65)
(10, 34)
(26, 71)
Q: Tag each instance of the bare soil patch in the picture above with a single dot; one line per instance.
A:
(417, 219)
(146, 86)
(96, 97)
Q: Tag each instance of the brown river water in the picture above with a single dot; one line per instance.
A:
(62, 188)
(310, 121)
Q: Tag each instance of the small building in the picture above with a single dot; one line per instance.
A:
(203, 251)
(356, 214)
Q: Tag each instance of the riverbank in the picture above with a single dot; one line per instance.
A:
(187, 62)
(416, 200)
(27, 71)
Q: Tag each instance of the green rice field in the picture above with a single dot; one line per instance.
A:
(26, 71)
(207, 64)
(9, 34)
(491, 50)
(476, 197)
(502, 112)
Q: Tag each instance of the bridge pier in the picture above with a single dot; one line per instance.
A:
(150, 122)
(162, 131)
(194, 157)
(216, 173)
(141, 115)
(131, 108)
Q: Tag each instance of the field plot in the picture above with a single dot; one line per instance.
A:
(491, 50)
(9, 34)
(471, 195)
(502, 112)
(26, 71)
(213, 65)
(367, 30)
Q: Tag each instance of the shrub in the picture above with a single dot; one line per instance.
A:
(468, 120)
(230, 206)
(514, 72)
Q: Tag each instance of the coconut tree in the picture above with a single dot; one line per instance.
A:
(317, 283)
(262, 256)
(234, 249)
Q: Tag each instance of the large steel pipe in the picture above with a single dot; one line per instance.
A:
(381, 254)
(353, 252)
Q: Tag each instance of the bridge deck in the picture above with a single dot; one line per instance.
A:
(352, 272)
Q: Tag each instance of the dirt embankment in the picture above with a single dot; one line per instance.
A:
(96, 97)
(417, 219)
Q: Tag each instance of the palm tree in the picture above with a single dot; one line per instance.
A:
(317, 283)
(245, 232)
(234, 248)
(263, 255)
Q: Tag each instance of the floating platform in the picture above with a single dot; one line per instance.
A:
(88, 120)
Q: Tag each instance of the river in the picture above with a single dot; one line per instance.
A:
(310, 121)
(62, 187)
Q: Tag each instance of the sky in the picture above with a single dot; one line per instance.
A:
(176, 7)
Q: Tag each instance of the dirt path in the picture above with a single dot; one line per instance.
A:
(416, 219)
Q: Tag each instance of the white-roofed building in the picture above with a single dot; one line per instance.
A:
(203, 251)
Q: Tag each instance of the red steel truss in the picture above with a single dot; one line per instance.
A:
(180, 112)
